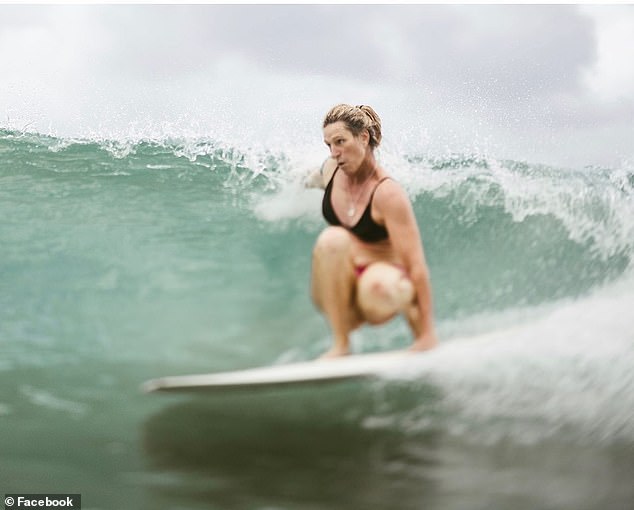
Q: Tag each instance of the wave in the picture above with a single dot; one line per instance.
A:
(566, 374)
(496, 232)
(180, 249)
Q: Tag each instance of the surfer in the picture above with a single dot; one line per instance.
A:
(369, 264)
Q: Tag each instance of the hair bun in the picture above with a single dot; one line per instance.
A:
(357, 118)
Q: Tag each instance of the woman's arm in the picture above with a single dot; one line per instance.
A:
(320, 178)
(395, 208)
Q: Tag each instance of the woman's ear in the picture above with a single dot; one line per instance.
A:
(365, 137)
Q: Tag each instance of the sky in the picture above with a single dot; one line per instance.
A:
(550, 84)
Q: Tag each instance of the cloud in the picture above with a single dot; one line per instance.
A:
(536, 47)
(611, 77)
(517, 74)
(540, 47)
(496, 56)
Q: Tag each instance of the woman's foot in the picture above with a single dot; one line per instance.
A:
(335, 352)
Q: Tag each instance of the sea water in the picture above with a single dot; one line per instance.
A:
(127, 259)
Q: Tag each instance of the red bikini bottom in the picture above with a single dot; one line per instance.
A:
(359, 270)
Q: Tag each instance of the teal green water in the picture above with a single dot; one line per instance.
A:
(123, 261)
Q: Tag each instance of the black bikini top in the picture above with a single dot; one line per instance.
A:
(366, 228)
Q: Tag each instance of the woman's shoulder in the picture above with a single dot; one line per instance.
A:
(389, 195)
(388, 187)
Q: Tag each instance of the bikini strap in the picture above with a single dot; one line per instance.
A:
(333, 174)
(377, 185)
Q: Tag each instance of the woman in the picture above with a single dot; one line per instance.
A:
(368, 265)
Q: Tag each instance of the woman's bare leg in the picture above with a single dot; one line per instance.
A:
(384, 291)
(334, 286)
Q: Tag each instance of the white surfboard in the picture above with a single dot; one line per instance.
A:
(317, 371)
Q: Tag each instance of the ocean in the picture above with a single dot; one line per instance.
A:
(123, 260)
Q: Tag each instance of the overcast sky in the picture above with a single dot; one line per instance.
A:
(547, 83)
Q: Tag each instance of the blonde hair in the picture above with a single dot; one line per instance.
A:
(357, 119)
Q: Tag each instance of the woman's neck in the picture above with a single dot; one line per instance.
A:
(365, 172)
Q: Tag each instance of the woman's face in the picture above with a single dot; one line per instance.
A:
(348, 150)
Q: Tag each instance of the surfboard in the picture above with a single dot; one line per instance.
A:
(317, 371)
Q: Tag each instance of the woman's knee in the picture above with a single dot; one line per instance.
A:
(383, 291)
(332, 241)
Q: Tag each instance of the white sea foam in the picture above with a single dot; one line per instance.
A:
(568, 371)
